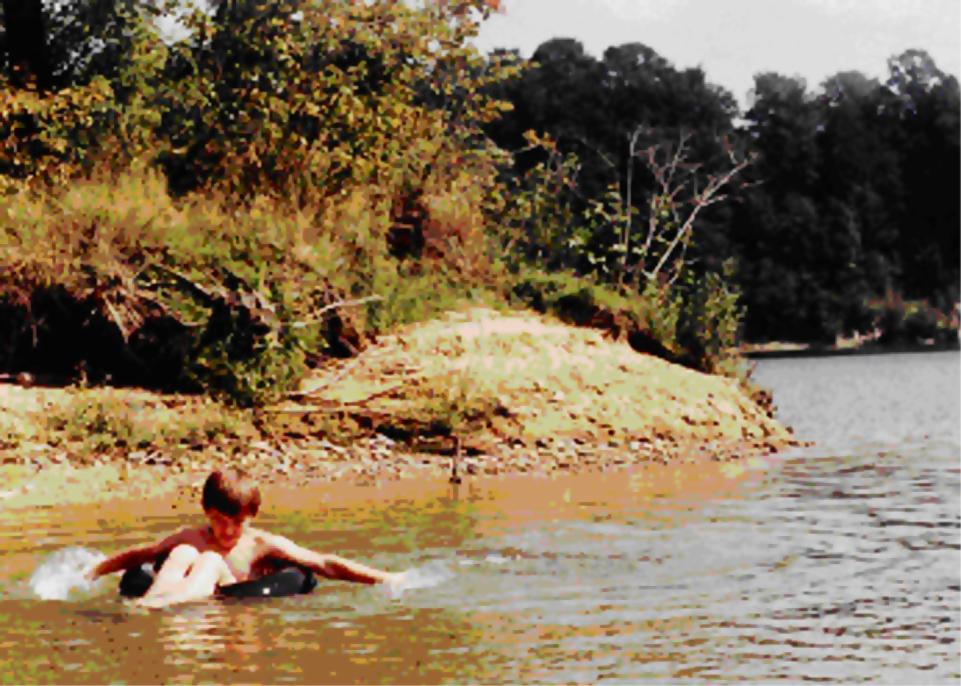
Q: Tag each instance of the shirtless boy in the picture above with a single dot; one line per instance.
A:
(227, 550)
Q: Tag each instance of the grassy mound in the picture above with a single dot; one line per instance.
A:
(495, 378)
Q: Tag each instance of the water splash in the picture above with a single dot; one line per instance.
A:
(426, 576)
(61, 574)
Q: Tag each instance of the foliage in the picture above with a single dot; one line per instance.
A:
(537, 223)
(567, 295)
(847, 210)
(289, 134)
(225, 288)
(277, 96)
(242, 298)
(659, 251)
(709, 322)
(222, 210)
(655, 311)
(102, 113)
(909, 322)
(452, 406)
(616, 197)
(853, 192)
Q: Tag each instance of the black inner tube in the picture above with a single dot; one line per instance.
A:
(288, 581)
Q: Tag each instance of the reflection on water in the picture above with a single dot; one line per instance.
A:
(835, 563)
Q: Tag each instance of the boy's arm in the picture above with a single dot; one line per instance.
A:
(135, 557)
(329, 566)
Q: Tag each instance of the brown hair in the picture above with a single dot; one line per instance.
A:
(231, 492)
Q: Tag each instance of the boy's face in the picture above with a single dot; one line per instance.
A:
(226, 529)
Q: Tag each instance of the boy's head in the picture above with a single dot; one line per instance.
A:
(232, 493)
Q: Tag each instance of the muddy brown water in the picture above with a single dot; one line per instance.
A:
(837, 563)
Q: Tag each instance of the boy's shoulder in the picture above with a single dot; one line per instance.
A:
(190, 534)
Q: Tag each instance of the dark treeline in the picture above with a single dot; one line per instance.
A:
(847, 221)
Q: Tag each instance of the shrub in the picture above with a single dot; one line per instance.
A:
(708, 328)
(233, 291)
(202, 294)
(453, 406)
(912, 321)
(659, 313)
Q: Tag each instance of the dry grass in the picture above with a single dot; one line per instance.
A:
(525, 377)
(89, 422)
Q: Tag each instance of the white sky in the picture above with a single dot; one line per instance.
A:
(734, 39)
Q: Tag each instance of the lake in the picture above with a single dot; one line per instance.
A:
(835, 563)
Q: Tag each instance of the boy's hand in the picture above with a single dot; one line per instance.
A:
(393, 579)
(90, 574)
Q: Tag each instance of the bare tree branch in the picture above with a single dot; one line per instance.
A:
(709, 196)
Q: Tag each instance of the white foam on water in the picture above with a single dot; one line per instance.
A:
(426, 576)
(496, 559)
(61, 574)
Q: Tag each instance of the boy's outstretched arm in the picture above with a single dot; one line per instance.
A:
(134, 557)
(329, 566)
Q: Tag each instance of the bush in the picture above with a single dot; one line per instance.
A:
(576, 299)
(202, 294)
(219, 213)
(696, 323)
(233, 291)
(452, 406)
(659, 313)
(286, 149)
(708, 328)
(912, 321)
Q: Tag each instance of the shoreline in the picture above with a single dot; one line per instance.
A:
(520, 393)
(47, 478)
(44, 484)
(764, 351)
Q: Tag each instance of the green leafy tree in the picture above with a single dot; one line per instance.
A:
(287, 131)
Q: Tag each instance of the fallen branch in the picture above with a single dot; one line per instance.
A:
(333, 406)
(340, 375)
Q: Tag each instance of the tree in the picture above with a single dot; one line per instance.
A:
(680, 191)
(55, 45)
(924, 118)
(776, 228)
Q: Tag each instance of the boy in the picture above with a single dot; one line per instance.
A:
(201, 559)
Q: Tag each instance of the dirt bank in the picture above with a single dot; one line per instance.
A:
(518, 392)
